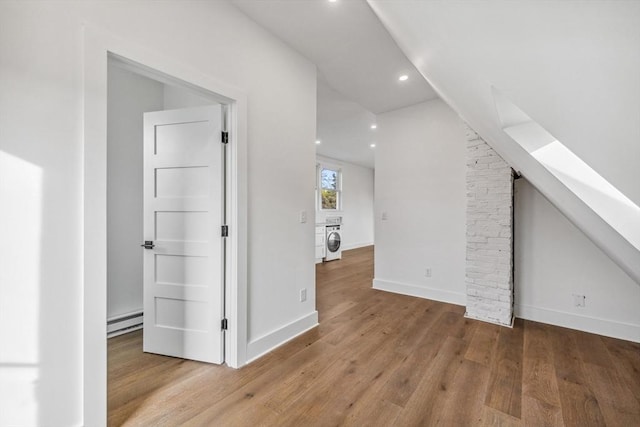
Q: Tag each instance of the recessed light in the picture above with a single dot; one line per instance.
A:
(374, 126)
(372, 145)
(318, 141)
(332, 1)
(403, 78)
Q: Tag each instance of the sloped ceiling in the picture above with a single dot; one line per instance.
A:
(574, 67)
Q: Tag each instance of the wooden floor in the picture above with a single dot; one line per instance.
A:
(380, 359)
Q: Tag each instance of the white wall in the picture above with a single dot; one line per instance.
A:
(357, 204)
(41, 65)
(554, 260)
(129, 96)
(420, 185)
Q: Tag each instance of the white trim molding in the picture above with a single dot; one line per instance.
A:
(266, 343)
(456, 298)
(594, 325)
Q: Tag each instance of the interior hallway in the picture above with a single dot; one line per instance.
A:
(384, 359)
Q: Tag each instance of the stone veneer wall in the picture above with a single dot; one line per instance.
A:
(489, 267)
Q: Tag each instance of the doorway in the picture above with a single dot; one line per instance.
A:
(168, 194)
(98, 47)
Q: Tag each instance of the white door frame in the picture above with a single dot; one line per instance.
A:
(98, 46)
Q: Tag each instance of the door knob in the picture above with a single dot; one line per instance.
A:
(148, 244)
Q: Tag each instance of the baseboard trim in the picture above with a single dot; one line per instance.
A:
(609, 328)
(420, 291)
(269, 342)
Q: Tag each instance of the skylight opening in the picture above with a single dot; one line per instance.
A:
(600, 195)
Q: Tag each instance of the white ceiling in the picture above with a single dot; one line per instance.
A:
(358, 67)
(344, 128)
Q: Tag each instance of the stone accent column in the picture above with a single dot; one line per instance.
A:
(489, 267)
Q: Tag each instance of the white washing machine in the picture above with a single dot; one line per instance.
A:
(333, 242)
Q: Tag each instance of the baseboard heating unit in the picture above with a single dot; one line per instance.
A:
(121, 324)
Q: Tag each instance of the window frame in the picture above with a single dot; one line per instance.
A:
(320, 166)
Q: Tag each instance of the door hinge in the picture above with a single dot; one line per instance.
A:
(225, 137)
(224, 324)
(225, 231)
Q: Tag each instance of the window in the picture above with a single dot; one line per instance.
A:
(329, 179)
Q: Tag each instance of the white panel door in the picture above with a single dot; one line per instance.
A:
(183, 214)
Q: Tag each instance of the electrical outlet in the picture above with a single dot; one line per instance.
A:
(579, 300)
(303, 217)
(427, 272)
(385, 216)
(303, 295)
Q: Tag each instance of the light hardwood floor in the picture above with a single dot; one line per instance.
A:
(381, 359)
